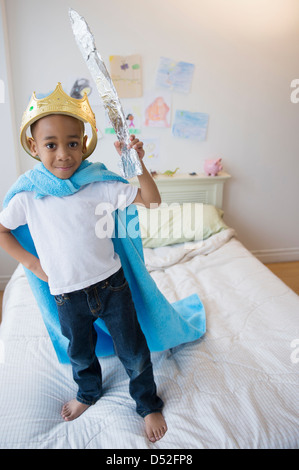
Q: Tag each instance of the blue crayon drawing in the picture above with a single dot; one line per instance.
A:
(189, 125)
(176, 76)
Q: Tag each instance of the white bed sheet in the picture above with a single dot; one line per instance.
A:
(237, 387)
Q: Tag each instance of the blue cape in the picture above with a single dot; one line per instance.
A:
(165, 325)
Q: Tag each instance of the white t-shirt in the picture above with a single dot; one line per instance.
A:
(69, 234)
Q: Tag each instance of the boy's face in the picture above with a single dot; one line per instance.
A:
(59, 143)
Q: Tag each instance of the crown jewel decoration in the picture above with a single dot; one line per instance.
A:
(59, 102)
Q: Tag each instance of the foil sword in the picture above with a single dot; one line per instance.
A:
(129, 163)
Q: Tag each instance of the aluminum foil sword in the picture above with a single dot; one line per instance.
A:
(129, 162)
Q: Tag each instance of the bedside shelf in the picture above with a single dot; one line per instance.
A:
(185, 188)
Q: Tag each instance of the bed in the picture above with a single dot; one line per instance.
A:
(234, 388)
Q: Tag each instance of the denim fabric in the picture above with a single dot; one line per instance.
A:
(110, 300)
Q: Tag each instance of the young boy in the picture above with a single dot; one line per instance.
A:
(90, 284)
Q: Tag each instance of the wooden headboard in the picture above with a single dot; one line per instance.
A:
(186, 188)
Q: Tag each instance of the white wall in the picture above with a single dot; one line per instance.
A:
(8, 162)
(246, 55)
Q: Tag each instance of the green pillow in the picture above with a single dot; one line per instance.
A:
(179, 223)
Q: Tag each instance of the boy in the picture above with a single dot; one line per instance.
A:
(90, 284)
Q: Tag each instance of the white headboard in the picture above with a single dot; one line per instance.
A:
(186, 188)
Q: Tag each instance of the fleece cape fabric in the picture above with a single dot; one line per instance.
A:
(165, 325)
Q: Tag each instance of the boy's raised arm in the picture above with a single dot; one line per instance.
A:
(148, 194)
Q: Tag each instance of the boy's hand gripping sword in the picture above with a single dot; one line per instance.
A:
(129, 162)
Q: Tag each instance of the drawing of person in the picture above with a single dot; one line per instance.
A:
(130, 118)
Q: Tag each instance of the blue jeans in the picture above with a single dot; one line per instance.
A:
(112, 301)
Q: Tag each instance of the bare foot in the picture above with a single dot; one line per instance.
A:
(72, 409)
(155, 426)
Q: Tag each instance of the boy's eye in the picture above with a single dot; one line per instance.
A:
(73, 144)
(50, 146)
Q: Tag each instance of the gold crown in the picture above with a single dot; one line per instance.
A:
(59, 102)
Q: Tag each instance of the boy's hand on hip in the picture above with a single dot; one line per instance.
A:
(11, 245)
(36, 268)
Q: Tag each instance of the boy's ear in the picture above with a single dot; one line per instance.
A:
(84, 147)
(32, 146)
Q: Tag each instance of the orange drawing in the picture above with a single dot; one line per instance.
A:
(157, 113)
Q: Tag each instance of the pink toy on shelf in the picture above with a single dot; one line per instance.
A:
(212, 167)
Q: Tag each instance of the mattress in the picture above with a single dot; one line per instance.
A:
(235, 388)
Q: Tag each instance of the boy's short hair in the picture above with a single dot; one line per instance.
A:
(33, 125)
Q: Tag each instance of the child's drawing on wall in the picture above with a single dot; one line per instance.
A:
(126, 74)
(157, 110)
(176, 76)
(130, 119)
(188, 125)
